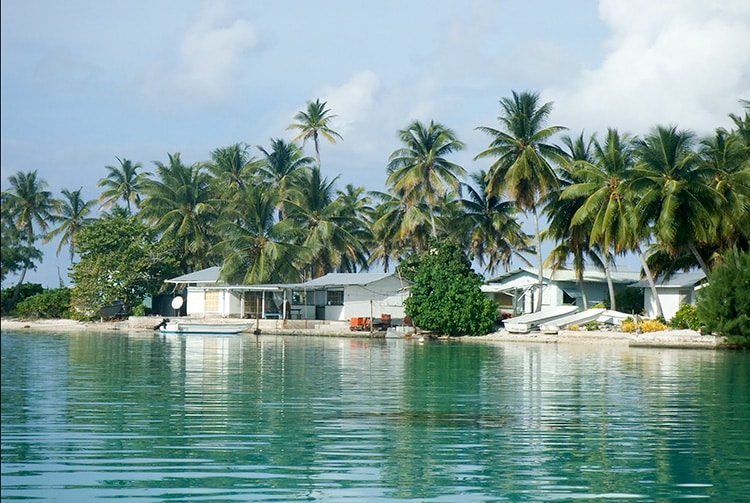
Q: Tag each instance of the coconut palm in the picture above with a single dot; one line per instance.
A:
(314, 123)
(523, 160)
(281, 167)
(419, 172)
(674, 193)
(257, 248)
(233, 169)
(495, 234)
(123, 182)
(178, 203)
(330, 235)
(29, 205)
(73, 216)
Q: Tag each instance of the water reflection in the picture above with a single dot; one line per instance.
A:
(282, 418)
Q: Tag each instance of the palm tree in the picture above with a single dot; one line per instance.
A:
(281, 167)
(674, 193)
(330, 235)
(233, 169)
(178, 203)
(419, 172)
(523, 160)
(256, 248)
(29, 204)
(73, 216)
(494, 232)
(314, 123)
(122, 182)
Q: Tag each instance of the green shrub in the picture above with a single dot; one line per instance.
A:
(53, 303)
(686, 317)
(446, 296)
(724, 304)
(26, 290)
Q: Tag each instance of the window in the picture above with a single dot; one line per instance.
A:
(335, 297)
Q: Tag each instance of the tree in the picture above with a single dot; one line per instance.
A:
(724, 304)
(494, 232)
(314, 123)
(446, 296)
(419, 172)
(123, 182)
(73, 216)
(29, 205)
(121, 259)
(674, 193)
(330, 230)
(179, 203)
(233, 168)
(523, 160)
(256, 248)
(15, 255)
(282, 167)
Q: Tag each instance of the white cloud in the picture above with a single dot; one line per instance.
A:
(354, 100)
(682, 62)
(209, 63)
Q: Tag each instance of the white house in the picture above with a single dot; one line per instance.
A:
(333, 297)
(679, 289)
(517, 291)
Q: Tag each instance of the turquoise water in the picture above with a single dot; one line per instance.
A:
(134, 416)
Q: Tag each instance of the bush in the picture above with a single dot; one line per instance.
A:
(724, 304)
(53, 303)
(686, 317)
(645, 325)
(26, 290)
(446, 296)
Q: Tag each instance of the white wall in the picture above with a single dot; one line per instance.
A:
(385, 295)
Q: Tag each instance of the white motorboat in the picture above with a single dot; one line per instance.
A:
(192, 327)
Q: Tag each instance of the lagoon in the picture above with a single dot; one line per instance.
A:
(148, 418)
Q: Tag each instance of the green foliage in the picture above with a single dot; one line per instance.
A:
(120, 260)
(724, 304)
(686, 317)
(53, 303)
(409, 266)
(629, 300)
(26, 290)
(446, 295)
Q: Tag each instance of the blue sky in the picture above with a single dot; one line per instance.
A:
(85, 81)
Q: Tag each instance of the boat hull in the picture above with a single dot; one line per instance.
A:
(182, 328)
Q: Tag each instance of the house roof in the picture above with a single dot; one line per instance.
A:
(345, 279)
(210, 275)
(568, 275)
(678, 280)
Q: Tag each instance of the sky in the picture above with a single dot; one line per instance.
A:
(84, 82)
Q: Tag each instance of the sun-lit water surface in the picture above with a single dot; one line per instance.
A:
(147, 418)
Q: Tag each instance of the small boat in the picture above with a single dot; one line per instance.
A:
(191, 327)
(526, 323)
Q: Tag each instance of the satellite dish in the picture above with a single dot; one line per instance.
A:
(177, 302)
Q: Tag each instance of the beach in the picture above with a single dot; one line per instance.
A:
(667, 338)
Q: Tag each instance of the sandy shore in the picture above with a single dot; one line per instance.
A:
(667, 338)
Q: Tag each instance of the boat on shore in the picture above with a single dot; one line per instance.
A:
(197, 328)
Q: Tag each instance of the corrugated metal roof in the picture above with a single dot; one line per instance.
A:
(590, 275)
(344, 279)
(677, 280)
(210, 275)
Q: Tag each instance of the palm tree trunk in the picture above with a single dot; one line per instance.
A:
(610, 285)
(700, 260)
(651, 282)
(540, 272)
(17, 291)
(584, 298)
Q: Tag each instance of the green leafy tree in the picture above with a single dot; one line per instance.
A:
(446, 296)
(120, 260)
(724, 304)
(282, 167)
(15, 255)
(73, 216)
(53, 303)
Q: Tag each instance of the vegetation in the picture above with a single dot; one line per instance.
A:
(644, 326)
(686, 317)
(121, 260)
(724, 304)
(677, 201)
(446, 297)
(52, 303)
